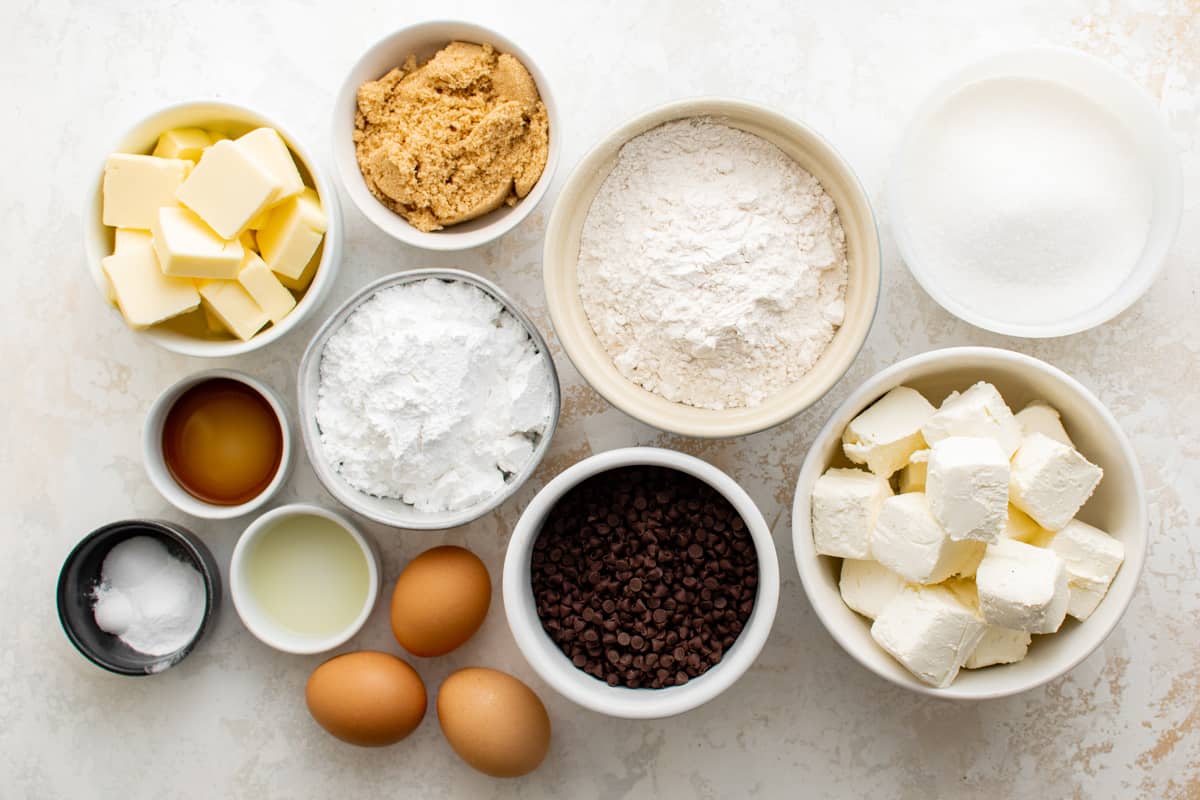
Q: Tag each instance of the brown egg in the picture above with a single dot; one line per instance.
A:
(493, 721)
(440, 600)
(366, 698)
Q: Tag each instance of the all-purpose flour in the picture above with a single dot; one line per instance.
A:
(432, 393)
(711, 265)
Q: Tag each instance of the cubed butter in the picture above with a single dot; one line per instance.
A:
(908, 541)
(292, 234)
(886, 434)
(845, 503)
(212, 321)
(868, 586)
(144, 294)
(127, 239)
(267, 148)
(911, 477)
(227, 189)
(136, 187)
(1050, 481)
(979, 411)
(1039, 417)
(259, 222)
(261, 284)
(187, 248)
(234, 307)
(1022, 587)
(1092, 558)
(301, 282)
(930, 631)
(967, 487)
(217, 136)
(186, 143)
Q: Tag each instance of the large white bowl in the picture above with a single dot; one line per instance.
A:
(1110, 89)
(618, 701)
(1118, 507)
(234, 120)
(423, 41)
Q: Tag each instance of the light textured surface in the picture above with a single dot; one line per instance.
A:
(230, 721)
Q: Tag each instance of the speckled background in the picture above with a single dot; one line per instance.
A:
(806, 720)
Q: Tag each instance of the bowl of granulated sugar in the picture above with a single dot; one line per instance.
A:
(1036, 193)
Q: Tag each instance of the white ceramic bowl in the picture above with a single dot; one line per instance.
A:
(235, 120)
(387, 510)
(1110, 89)
(1118, 507)
(160, 476)
(617, 701)
(423, 41)
(258, 622)
(579, 340)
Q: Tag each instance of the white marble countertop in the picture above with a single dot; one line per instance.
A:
(806, 720)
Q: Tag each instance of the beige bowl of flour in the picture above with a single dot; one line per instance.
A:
(579, 340)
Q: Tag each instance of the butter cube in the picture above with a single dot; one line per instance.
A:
(227, 189)
(867, 586)
(187, 248)
(887, 433)
(261, 284)
(967, 487)
(234, 307)
(979, 411)
(845, 503)
(299, 284)
(908, 541)
(1022, 587)
(268, 149)
(144, 294)
(1039, 417)
(217, 136)
(259, 222)
(912, 475)
(930, 631)
(999, 646)
(1050, 481)
(186, 143)
(1092, 558)
(292, 234)
(212, 321)
(127, 239)
(135, 187)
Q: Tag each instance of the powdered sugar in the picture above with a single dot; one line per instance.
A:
(432, 393)
(712, 266)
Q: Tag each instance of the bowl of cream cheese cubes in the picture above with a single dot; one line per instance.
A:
(970, 523)
(212, 230)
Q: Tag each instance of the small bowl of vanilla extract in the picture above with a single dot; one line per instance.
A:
(217, 444)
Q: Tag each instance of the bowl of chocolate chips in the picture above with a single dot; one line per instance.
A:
(641, 582)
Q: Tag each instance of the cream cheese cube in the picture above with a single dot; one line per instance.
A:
(930, 631)
(186, 143)
(979, 411)
(908, 541)
(187, 248)
(1020, 526)
(972, 560)
(867, 586)
(999, 646)
(292, 234)
(845, 503)
(1092, 558)
(227, 189)
(144, 294)
(911, 477)
(266, 147)
(234, 307)
(887, 433)
(967, 487)
(265, 288)
(1050, 481)
(136, 187)
(1022, 587)
(1039, 417)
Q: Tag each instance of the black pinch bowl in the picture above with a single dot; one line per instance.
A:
(81, 573)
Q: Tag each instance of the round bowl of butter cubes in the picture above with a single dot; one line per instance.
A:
(212, 230)
(970, 523)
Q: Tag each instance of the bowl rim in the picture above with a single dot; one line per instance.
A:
(155, 465)
(346, 164)
(199, 556)
(870, 390)
(621, 702)
(584, 171)
(997, 65)
(323, 278)
(307, 389)
(278, 638)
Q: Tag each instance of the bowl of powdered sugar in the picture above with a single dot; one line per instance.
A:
(712, 267)
(427, 399)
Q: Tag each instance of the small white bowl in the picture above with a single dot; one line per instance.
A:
(389, 510)
(258, 622)
(618, 701)
(160, 476)
(1105, 86)
(423, 41)
(235, 120)
(1118, 507)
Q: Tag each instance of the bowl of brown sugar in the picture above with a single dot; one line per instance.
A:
(641, 582)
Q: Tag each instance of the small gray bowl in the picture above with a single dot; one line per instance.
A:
(391, 511)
